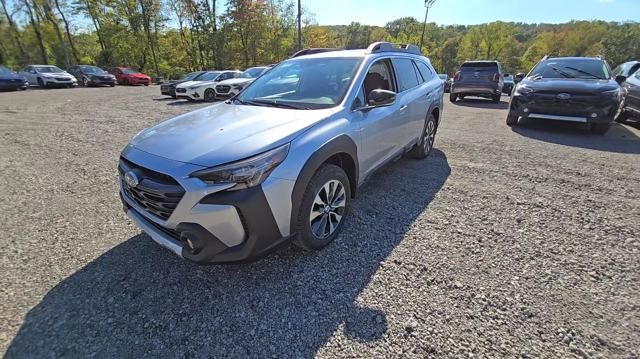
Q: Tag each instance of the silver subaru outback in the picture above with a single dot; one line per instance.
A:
(282, 160)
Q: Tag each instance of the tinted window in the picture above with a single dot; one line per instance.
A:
(571, 68)
(406, 72)
(208, 76)
(479, 66)
(426, 72)
(638, 75)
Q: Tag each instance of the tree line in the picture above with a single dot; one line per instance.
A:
(171, 37)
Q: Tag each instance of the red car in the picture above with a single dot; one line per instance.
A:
(129, 76)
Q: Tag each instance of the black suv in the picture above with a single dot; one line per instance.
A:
(574, 89)
(478, 78)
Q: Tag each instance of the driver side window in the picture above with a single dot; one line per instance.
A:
(379, 76)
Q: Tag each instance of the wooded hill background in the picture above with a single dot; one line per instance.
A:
(171, 37)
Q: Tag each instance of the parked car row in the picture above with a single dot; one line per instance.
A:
(85, 75)
(211, 85)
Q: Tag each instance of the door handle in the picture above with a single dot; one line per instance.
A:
(403, 107)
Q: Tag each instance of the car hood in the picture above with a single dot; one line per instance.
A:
(193, 83)
(237, 81)
(11, 77)
(57, 74)
(571, 85)
(224, 133)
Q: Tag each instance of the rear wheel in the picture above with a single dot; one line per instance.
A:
(209, 95)
(495, 98)
(599, 128)
(512, 119)
(85, 82)
(424, 147)
(325, 204)
(41, 83)
(453, 97)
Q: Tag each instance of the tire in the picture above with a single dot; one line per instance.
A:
(495, 98)
(113, 84)
(41, 83)
(425, 145)
(209, 95)
(70, 86)
(85, 82)
(453, 97)
(311, 234)
(622, 117)
(147, 84)
(599, 128)
(512, 120)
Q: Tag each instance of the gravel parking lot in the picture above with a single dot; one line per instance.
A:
(504, 243)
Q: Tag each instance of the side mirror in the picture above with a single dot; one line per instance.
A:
(620, 79)
(379, 98)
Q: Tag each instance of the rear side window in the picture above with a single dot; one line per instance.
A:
(425, 71)
(479, 66)
(406, 72)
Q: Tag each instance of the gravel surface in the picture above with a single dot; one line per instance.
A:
(504, 243)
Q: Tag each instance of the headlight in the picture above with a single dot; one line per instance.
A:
(47, 75)
(523, 90)
(237, 87)
(193, 87)
(246, 173)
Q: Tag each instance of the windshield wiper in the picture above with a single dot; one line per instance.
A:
(582, 72)
(275, 103)
(563, 73)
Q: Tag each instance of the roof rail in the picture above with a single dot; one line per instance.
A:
(383, 46)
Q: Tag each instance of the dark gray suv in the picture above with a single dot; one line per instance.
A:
(478, 78)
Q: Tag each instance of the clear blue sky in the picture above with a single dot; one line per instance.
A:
(468, 12)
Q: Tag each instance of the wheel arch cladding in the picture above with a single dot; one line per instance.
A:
(341, 151)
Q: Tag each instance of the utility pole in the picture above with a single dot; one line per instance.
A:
(299, 26)
(427, 4)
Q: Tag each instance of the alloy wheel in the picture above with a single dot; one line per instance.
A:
(85, 82)
(209, 95)
(429, 136)
(328, 208)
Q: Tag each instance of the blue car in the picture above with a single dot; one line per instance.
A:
(9, 80)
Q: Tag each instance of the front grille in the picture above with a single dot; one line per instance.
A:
(223, 88)
(181, 90)
(157, 193)
(63, 79)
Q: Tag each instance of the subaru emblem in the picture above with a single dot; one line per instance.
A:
(563, 96)
(131, 179)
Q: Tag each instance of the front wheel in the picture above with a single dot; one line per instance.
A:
(323, 209)
(495, 98)
(85, 82)
(424, 147)
(453, 97)
(209, 95)
(41, 83)
(512, 119)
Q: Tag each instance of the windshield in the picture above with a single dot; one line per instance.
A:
(253, 72)
(571, 68)
(92, 70)
(130, 71)
(303, 83)
(48, 69)
(5, 71)
(192, 76)
(209, 76)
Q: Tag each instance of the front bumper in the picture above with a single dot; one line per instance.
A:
(476, 90)
(190, 94)
(581, 110)
(14, 85)
(135, 81)
(168, 91)
(98, 81)
(210, 224)
(58, 82)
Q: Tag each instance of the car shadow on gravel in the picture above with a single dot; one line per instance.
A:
(482, 103)
(138, 300)
(618, 139)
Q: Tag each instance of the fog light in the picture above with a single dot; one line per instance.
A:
(594, 115)
(526, 110)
